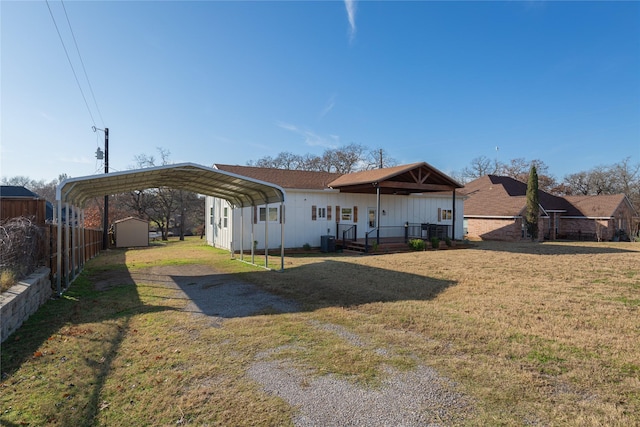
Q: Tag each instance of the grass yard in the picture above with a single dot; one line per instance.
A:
(532, 334)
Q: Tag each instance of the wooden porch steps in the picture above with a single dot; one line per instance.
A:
(383, 248)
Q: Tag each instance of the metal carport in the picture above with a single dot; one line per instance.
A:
(239, 191)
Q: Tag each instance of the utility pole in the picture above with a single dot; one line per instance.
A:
(105, 218)
(381, 158)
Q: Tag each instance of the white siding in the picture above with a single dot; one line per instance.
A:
(300, 229)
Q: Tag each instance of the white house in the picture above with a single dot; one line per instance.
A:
(383, 203)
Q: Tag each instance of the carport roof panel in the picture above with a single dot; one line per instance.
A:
(238, 190)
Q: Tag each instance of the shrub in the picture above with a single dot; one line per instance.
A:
(435, 242)
(7, 280)
(22, 245)
(306, 247)
(447, 240)
(416, 244)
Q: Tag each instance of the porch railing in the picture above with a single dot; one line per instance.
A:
(347, 232)
(427, 231)
(391, 234)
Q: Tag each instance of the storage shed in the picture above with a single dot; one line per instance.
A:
(131, 232)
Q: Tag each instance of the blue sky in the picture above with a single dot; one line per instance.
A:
(230, 82)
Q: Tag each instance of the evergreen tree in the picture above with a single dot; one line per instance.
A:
(533, 204)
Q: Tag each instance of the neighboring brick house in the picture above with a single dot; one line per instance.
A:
(495, 207)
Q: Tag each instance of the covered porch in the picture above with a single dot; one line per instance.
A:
(406, 180)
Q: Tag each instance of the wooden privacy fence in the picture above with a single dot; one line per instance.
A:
(78, 246)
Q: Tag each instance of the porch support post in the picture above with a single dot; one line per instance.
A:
(453, 214)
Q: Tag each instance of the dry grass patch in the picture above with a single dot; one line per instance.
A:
(533, 333)
(7, 280)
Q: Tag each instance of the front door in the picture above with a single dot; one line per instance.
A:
(371, 219)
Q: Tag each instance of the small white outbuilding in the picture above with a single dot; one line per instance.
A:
(131, 232)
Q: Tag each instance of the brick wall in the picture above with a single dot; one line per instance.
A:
(502, 229)
(22, 300)
(494, 228)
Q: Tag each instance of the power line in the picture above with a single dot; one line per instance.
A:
(82, 62)
(70, 63)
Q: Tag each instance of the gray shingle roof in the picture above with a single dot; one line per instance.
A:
(17, 191)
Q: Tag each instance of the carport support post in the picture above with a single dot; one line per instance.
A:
(83, 253)
(266, 236)
(378, 214)
(105, 217)
(66, 249)
(253, 246)
(241, 233)
(59, 250)
(453, 214)
(74, 239)
(281, 235)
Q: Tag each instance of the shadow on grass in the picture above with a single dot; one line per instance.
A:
(327, 283)
(66, 319)
(555, 248)
(95, 314)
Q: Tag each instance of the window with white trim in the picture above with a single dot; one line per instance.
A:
(273, 214)
(445, 214)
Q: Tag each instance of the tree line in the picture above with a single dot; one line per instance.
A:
(346, 159)
(184, 211)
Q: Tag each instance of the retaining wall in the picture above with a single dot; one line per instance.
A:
(22, 300)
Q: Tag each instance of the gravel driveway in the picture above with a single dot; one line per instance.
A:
(420, 397)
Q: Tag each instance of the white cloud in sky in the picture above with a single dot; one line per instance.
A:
(83, 160)
(330, 104)
(311, 138)
(351, 14)
(47, 116)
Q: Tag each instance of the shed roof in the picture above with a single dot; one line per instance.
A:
(129, 219)
(238, 190)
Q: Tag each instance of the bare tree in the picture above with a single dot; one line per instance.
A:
(163, 206)
(519, 169)
(622, 177)
(578, 183)
(345, 159)
(480, 166)
(378, 159)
